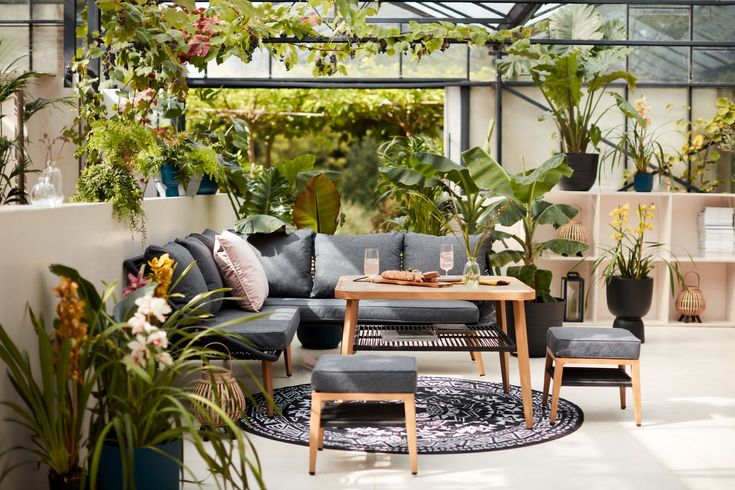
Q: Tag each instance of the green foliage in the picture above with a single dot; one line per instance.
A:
(187, 157)
(118, 142)
(563, 72)
(523, 202)
(317, 206)
(108, 182)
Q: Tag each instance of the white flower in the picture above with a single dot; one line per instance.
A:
(150, 305)
(139, 324)
(165, 359)
(158, 338)
(138, 350)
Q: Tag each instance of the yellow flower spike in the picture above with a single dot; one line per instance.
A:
(162, 269)
(71, 324)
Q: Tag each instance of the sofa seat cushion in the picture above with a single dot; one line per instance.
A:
(337, 256)
(593, 343)
(374, 310)
(364, 374)
(189, 286)
(286, 259)
(422, 252)
(272, 332)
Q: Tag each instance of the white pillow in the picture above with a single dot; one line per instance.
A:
(241, 270)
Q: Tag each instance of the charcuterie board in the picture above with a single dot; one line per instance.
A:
(381, 280)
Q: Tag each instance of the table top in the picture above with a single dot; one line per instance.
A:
(347, 288)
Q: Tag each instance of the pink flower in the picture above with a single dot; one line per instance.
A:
(135, 282)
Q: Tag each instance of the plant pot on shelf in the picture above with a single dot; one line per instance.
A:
(68, 481)
(208, 186)
(539, 318)
(643, 182)
(629, 300)
(585, 171)
(198, 184)
(151, 469)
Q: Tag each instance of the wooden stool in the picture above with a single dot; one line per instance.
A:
(364, 378)
(590, 345)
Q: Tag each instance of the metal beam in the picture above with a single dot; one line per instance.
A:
(70, 38)
(519, 14)
(429, 20)
(464, 119)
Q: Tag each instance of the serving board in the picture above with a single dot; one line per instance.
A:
(381, 280)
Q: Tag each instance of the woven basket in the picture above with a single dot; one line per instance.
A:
(220, 387)
(573, 231)
(690, 301)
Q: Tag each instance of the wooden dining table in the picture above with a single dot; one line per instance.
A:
(355, 288)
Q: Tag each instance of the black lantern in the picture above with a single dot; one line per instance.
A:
(572, 287)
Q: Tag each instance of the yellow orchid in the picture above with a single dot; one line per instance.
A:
(71, 324)
(162, 269)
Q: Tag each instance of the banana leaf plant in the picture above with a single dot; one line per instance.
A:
(522, 202)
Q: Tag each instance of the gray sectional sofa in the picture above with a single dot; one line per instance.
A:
(302, 269)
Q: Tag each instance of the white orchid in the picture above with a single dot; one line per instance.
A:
(165, 359)
(138, 351)
(158, 339)
(150, 305)
(139, 324)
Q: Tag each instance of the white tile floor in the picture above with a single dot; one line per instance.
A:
(687, 440)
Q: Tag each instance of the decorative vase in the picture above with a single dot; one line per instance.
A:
(471, 273)
(48, 191)
(629, 300)
(643, 182)
(67, 481)
(690, 303)
(151, 469)
(539, 318)
(584, 166)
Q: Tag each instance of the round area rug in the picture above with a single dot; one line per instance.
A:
(453, 415)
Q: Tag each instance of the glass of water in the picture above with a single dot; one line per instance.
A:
(372, 264)
(446, 258)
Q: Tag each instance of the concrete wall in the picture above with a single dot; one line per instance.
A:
(87, 237)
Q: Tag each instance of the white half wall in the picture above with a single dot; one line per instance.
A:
(87, 237)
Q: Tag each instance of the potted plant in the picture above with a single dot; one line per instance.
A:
(625, 268)
(639, 144)
(573, 80)
(522, 202)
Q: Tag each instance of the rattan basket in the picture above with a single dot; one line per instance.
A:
(690, 302)
(220, 387)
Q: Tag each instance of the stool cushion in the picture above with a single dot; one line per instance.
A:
(593, 343)
(364, 374)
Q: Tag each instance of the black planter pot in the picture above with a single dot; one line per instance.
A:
(585, 171)
(539, 318)
(629, 300)
(320, 337)
(69, 481)
(152, 470)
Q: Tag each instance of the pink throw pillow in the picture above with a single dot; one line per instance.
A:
(241, 270)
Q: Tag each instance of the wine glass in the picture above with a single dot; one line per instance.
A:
(372, 264)
(446, 258)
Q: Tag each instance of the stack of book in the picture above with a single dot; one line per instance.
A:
(716, 231)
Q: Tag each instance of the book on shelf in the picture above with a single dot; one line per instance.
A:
(716, 230)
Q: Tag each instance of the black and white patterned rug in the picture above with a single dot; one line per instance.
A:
(453, 415)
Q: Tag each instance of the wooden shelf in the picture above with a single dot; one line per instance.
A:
(675, 225)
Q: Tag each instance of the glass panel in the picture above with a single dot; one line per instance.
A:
(234, 68)
(13, 10)
(660, 64)
(714, 23)
(713, 65)
(380, 66)
(482, 64)
(451, 63)
(17, 39)
(46, 43)
(668, 24)
(48, 9)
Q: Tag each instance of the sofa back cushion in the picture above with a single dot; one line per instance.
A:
(191, 284)
(208, 267)
(286, 260)
(241, 270)
(422, 252)
(207, 238)
(344, 255)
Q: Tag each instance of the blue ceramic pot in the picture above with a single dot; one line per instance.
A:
(208, 186)
(170, 180)
(643, 182)
(151, 470)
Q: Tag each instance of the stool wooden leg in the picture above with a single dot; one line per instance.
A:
(547, 379)
(268, 385)
(622, 390)
(289, 362)
(480, 363)
(636, 375)
(321, 438)
(504, 358)
(558, 370)
(314, 430)
(409, 405)
(472, 356)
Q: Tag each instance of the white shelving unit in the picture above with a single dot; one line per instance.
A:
(675, 225)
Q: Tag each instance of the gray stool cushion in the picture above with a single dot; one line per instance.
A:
(593, 343)
(364, 374)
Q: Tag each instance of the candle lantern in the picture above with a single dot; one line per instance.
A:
(572, 287)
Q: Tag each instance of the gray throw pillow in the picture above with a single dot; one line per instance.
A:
(207, 240)
(208, 268)
(422, 252)
(344, 255)
(286, 260)
(191, 284)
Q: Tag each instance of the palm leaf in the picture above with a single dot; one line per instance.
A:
(318, 206)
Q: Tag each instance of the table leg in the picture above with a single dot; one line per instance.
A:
(524, 368)
(348, 330)
(500, 316)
